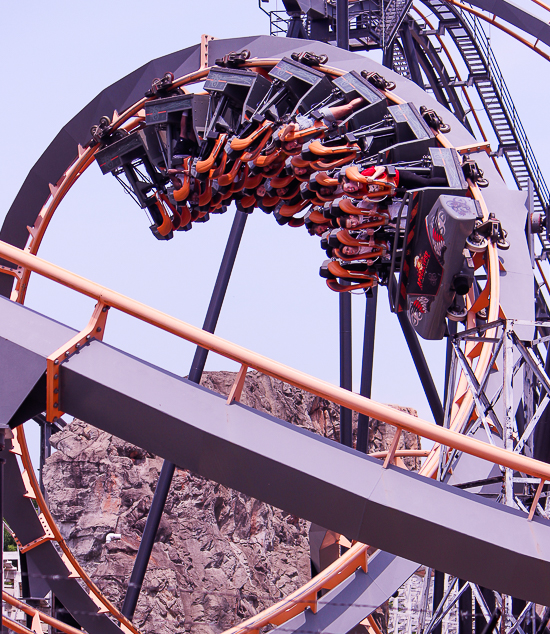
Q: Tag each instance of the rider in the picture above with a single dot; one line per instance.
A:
(331, 116)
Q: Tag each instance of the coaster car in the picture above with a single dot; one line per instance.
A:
(434, 259)
(338, 178)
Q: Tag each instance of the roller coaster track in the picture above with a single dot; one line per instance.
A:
(42, 531)
(475, 49)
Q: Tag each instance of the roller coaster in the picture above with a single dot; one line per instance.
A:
(380, 165)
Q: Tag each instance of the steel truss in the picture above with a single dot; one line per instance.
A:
(512, 354)
(497, 419)
(500, 421)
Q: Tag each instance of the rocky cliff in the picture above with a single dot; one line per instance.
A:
(220, 556)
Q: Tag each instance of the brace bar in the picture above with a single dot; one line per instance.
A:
(94, 330)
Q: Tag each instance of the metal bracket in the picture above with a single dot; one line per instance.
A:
(48, 536)
(485, 146)
(16, 272)
(394, 444)
(439, 31)
(205, 39)
(503, 149)
(238, 384)
(94, 330)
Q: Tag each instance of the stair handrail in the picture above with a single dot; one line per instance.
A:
(495, 74)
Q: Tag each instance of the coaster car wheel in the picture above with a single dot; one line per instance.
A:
(377, 80)
(160, 84)
(434, 120)
(476, 242)
(457, 313)
(233, 59)
(309, 59)
(503, 244)
(100, 131)
(473, 173)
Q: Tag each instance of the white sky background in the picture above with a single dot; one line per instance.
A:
(56, 57)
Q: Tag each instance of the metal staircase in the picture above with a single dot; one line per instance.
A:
(392, 15)
(470, 38)
(399, 61)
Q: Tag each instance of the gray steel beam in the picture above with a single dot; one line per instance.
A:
(20, 370)
(353, 600)
(410, 54)
(363, 421)
(422, 368)
(342, 24)
(298, 471)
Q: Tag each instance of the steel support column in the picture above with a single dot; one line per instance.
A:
(195, 374)
(387, 57)
(465, 611)
(508, 358)
(422, 368)
(346, 432)
(411, 56)
(439, 591)
(480, 624)
(366, 368)
(342, 24)
(45, 449)
(452, 328)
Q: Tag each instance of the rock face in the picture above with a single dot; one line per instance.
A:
(219, 556)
